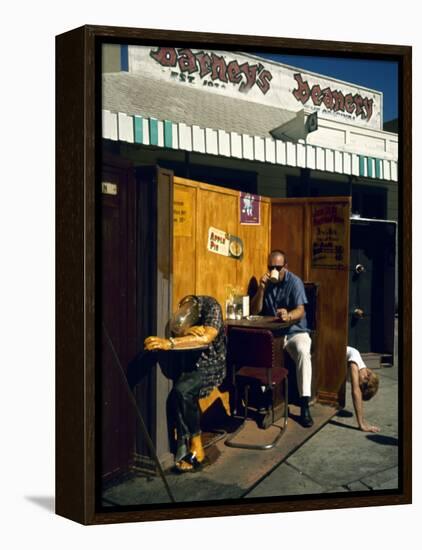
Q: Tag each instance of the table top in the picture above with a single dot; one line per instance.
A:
(258, 321)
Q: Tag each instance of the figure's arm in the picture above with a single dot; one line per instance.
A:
(357, 400)
(293, 315)
(196, 337)
(257, 302)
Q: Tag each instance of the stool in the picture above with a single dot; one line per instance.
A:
(256, 354)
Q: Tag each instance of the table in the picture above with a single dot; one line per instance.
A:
(258, 357)
(274, 324)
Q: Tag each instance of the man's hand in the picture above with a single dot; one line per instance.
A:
(368, 428)
(154, 342)
(283, 314)
(264, 280)
(196, 331)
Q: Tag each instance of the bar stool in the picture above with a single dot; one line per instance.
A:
(256, 354)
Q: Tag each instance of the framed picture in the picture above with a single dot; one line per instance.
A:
(233, 275)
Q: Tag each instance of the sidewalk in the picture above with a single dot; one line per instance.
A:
(336, 457)
(341, 458)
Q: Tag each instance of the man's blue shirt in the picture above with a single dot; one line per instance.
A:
(288, 294)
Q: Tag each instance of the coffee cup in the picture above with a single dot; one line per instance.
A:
(274, 276)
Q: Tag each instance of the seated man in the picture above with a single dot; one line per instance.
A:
(284, 296)
(364, 386)
(197, 322)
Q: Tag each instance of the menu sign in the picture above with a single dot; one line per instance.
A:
(182, 213)
(218, 241)
(328, 237)
(225, 244)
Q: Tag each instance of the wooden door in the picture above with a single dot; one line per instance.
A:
(197, 208)
(154, 249)
(118, 315)
(314, 233)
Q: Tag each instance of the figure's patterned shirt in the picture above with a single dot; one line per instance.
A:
(212, 363)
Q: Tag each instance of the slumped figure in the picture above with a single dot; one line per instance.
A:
(197, 322)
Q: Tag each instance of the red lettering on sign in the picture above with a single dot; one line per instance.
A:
(250, 73)
(338, 101)
(216, 65)
(368, 104)
(263, 82)
(303, 91)
(204, 61)
(327, 98)
(219, 68)
(165, 56)
(187, 61)
(358, 99)
(348, 103)
(333, 100)
(233, 72)
(316, 95)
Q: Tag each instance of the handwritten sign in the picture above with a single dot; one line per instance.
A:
(182, 213)
(218, 241)
(328, 237)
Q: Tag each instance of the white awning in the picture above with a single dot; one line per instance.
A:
(140, 109)
(120, 126)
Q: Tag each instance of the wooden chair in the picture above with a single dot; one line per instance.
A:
(255, 356)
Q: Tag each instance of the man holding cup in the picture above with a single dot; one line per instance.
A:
(282, 294)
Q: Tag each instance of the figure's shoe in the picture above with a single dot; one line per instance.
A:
(190, 463)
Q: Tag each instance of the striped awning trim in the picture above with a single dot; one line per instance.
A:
(171, 135)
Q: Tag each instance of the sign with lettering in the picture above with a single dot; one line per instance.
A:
(328, 237)
(218, 241)
(218, 69)
(250, 77)
(225, 244)
(108, 188)
(333, 100)
(182, 213)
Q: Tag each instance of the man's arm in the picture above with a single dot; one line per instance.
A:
(257, 302)
(357, 400)
(196, 337)
(293, 315)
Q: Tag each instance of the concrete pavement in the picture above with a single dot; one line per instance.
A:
(341, 458)
(337, 458)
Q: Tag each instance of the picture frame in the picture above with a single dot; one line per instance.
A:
(78, 328)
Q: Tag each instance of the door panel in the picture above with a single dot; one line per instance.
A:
(373, 290)
(117, 315)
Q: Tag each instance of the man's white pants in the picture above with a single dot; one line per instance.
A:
(298, 347)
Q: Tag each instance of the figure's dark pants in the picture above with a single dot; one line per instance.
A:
(185, 396)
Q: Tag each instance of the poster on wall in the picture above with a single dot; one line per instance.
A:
(328, 237)
(218, 241)
(224, 244)
(250, 209)
(182, 213)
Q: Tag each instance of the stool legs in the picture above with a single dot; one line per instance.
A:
(230, 440)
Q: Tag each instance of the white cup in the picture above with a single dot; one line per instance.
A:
(274, 276)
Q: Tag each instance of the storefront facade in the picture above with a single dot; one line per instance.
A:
(231, 120)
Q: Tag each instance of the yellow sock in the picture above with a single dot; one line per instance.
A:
(197, 448)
